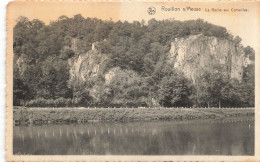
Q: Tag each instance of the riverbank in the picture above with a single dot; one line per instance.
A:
(38, 116)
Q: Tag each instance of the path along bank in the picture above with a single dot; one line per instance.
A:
(38, 116)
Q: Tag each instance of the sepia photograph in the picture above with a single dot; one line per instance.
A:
(132, 80)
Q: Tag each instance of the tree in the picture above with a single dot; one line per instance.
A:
(237, 40)
(127, 89)
(231, 94)
(250, 53)
(208, 86)
(43, 55)
(174, 90)
(20, 91)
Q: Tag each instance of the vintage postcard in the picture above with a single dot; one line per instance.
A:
(132, 81)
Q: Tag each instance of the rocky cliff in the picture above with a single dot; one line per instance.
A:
(89, 70)
(168, 63)
(87, 66)
(193, 55)
(197, 53)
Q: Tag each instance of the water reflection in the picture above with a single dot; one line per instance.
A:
(233, 137)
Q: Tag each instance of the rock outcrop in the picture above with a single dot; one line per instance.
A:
(197, 53)
(87, 66)
(192, 55)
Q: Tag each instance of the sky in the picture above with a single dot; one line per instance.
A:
(244, 24)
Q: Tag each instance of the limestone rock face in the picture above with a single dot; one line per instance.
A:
(193, 55)
(89, 70)
(196, 53)
(22, 63)
(87, 66)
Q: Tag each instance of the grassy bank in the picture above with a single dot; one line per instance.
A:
(82, 115)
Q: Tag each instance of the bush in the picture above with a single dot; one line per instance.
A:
(41, 102)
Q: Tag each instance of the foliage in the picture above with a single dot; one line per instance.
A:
(41, 102)
(42, 54)
(174, 91)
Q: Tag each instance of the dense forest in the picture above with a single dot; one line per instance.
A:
(42, 71)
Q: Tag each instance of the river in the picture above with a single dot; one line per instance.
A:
(212, 137)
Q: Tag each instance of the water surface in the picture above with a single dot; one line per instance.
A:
(223, 137)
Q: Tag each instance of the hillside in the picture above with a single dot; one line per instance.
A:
(90, 62)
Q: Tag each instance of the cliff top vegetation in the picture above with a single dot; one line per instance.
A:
(42, 73)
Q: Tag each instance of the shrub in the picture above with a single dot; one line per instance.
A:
(41, 102)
